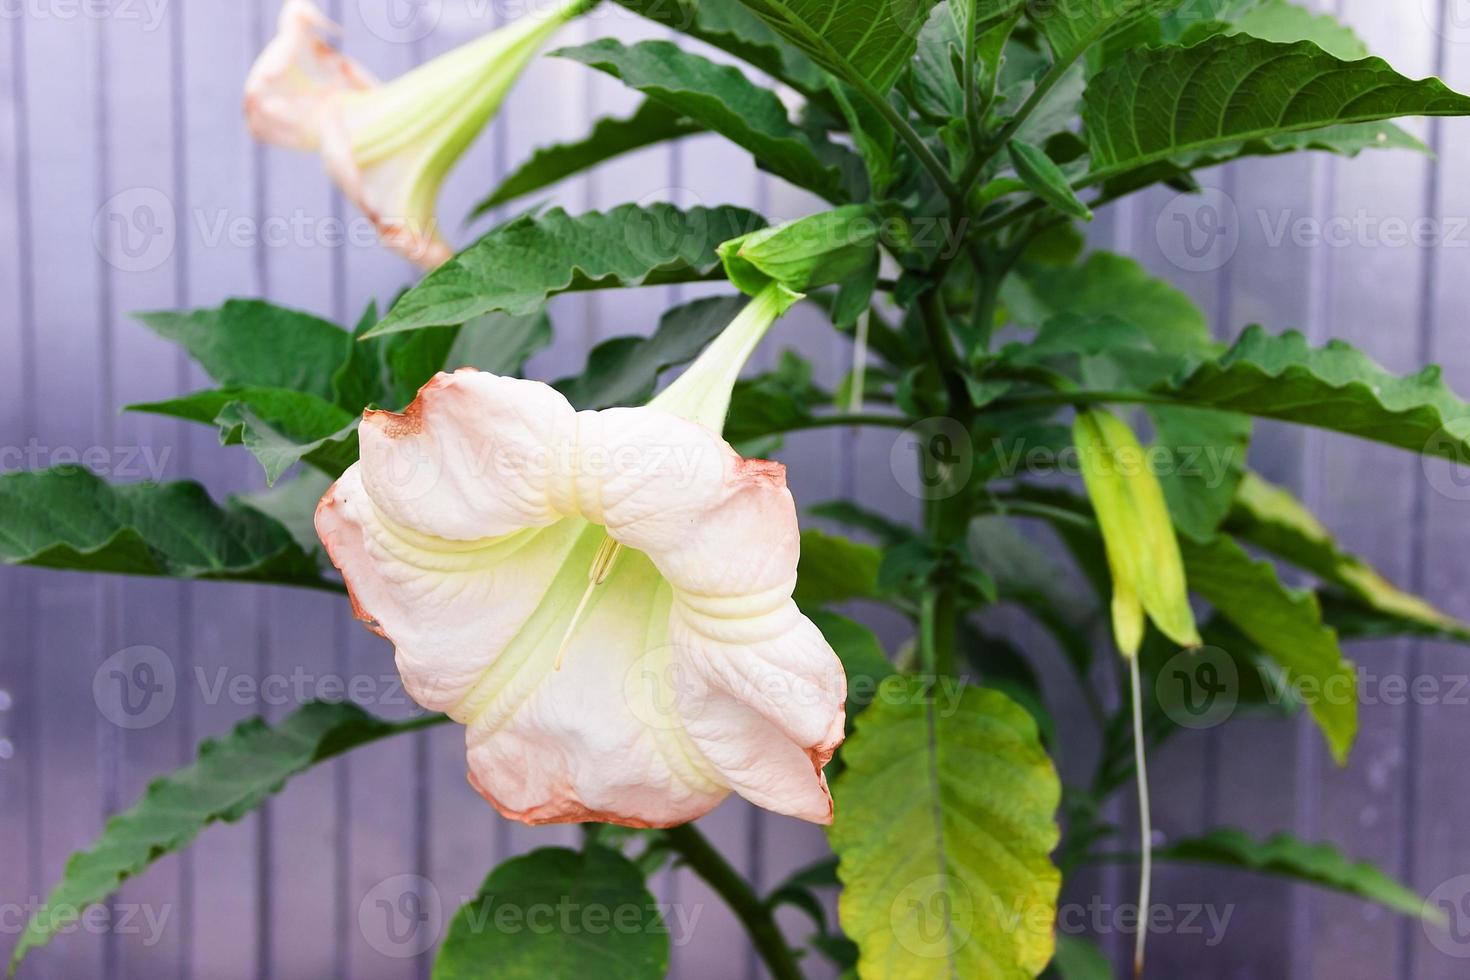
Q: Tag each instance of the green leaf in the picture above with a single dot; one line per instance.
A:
(731, 27)
(516, 267)
(603, 921)
(1271, 20)
(1287, 625)
(1167, 104)
(721, 98)
(233, 776)
(945, 817)
(862, 656)
(1046, 180)
(1072, 26)
(1270, 518)
(624, 370)
(1205, 461)
(68, 517)
(1319, 864)
(863, 42)
(653, 123)
(1334, 387)
(1078, 959)
(293, 506)
(280, 427)
(496, 342)
(250, 343)
(834, 569)
(1113, 285)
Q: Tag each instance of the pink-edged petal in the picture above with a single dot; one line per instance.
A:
(475, 456)
(764, 700)
(292, 85)
(600, 738)
(382, 193)
(715, 524)
(449, 608)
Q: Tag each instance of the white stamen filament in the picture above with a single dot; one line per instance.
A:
(602, 563)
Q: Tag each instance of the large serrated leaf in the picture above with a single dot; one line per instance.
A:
(721, 98)
(1269, 517)
(1288, 627)
(253, 343)
(516, 267)
(864, 42)
(731, 27)
(280, 427)
(558, 913)
(1319, 864)
(1155, 105)
(233, 776)
(945, 820)
(1334, 387)
(70, 518)
(1270, 20)
(653, 123)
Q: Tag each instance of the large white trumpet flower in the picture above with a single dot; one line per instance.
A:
(602, 599)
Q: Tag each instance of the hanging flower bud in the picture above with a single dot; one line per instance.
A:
(821, 250)
(1142, 549)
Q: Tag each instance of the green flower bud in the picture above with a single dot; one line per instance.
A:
(820, 250)
(1138, 535)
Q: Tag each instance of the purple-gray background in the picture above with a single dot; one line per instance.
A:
(122, 117)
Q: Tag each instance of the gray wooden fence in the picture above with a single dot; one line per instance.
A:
(120, 125)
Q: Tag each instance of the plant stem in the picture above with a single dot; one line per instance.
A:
(1145, 822)
(909, 135)
(697, 852)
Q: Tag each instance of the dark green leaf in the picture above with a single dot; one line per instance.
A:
(1335, 387)
(652, 123)
(234, 775)
(731, 27)
(834, 569)
(279, 426)
(70, 518)
(1078, 959)
(1287, 625)
(722, 99)
(775, 402)
(864, 42)
(558, 913)
(252, 343)
(624, 370)
(1046, 180)
(516, 267)
(1072, 26)
(1112, 285)
(1175, 104)
(1269, 517)
(1204, 462)
(1319, 864)
(945, 817)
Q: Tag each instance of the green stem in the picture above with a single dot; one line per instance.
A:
(1145, 829)
(702, 858)
(909, 135)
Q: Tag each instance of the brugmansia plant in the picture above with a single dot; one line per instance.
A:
(607, 588)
